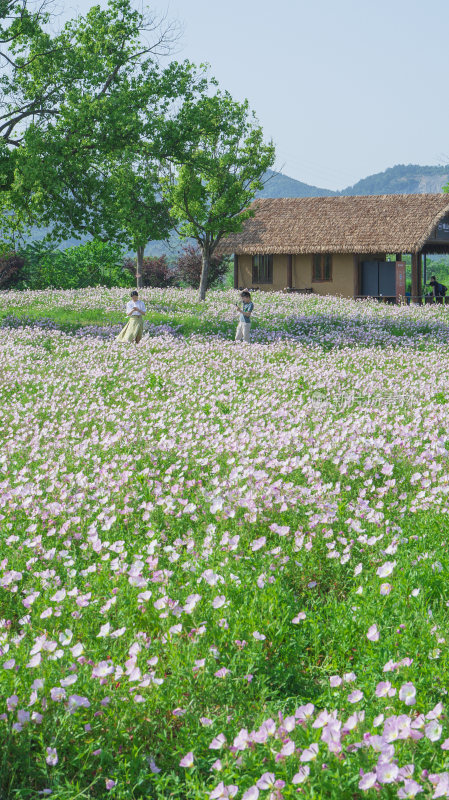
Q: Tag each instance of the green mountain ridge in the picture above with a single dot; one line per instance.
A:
(400, 179)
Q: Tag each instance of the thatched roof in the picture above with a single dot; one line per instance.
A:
(369, 224)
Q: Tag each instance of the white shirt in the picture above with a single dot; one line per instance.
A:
(138, 303)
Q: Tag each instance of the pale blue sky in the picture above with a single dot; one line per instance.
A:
(345, 89)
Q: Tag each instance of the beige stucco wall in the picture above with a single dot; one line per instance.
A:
(342, 282)
(279, 274)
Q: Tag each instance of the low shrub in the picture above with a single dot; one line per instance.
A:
(189, 266)
(156, 272)
(11, 265)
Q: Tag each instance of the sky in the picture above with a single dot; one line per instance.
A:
(345, 88)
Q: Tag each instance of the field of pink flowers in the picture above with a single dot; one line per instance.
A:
(224, 567)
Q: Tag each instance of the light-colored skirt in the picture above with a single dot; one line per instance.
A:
(132, 332)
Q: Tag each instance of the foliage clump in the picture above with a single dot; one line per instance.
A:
(11, 265)
(189, 267)
(155, 271)
(90, 264)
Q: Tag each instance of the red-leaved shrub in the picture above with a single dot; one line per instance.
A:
(10, 268)
(156, 272)
(189, 265)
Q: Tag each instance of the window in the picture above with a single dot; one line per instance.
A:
(322, 267)
(262, 269)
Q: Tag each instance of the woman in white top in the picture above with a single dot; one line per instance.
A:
(135, 311)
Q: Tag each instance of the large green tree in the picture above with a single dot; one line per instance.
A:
(214, 174)
(82, 163)
(83, 176)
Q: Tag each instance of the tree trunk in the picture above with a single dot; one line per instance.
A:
(205, 259)
(139, 269)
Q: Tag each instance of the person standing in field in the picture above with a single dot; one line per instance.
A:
(439, 289)
(135, 311)
(244, 327)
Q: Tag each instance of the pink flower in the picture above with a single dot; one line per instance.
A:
(298, 618)
(57, 693)
(335, 680)
(75, 701)
(218, 742)
(436, 712)
(281, 530)
(433, 731)
(386, 772)
(383, 688)
(58, 596)
(373, 633)
(222, 791)
(407, 693)
(221, 673)
(34, 661)
(441, 783)
(287, 749)
(309, 754)
(386, 569)
(266, 781)
(355, 696)
(258, 543)
(301, 775)
(385, 588)
(367, 781)
(102, 669)
(52, 756)
(187, 760)
(110, 783)
(251, 794)
(410, 789)
(241, 740)
(304, 713)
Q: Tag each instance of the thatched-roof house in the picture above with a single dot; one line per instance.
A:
(338, 245)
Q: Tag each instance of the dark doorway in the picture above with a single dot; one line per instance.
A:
(378, 278)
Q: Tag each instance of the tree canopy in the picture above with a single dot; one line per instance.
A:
(211, 181)
(96, 137)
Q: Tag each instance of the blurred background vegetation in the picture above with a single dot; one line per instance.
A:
(41, 265)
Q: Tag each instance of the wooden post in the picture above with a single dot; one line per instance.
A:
(356, 276)
(289, 272)
(400, 281)
(236, 271)
(419, 255)
(415, 284)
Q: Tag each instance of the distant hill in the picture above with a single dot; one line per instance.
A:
(279, 185)
(401, 179)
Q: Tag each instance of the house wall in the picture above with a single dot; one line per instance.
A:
(279, 274)
(342, 282)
